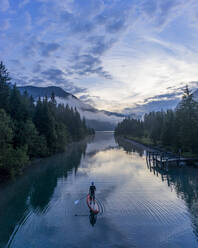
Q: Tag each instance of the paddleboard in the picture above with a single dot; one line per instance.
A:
(93, 206)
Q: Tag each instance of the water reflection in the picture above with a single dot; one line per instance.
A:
(34, 190)
(183, 180)
(129, 147)
(140, 206)
(185, 183)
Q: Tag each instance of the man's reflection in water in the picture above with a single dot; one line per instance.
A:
(92, 218)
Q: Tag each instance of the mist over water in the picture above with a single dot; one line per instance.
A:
(140, 206)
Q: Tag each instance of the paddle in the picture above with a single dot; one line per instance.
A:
(77, 201)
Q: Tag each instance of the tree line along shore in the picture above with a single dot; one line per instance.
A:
(31, 130)
(174, 130)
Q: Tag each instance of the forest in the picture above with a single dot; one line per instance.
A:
(175, 130)
(31, 130)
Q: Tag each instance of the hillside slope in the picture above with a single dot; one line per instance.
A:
(97, 119)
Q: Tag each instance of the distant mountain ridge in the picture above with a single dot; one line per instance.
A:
(44, 91)
(97, 119)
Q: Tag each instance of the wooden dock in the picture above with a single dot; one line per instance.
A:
(162, 159)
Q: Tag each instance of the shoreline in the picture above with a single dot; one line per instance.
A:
(152, 148)
(31, 163)
(147, 146)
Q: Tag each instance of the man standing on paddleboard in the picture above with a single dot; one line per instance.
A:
(92, 190)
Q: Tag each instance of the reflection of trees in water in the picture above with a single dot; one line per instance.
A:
(185, 182)
(44, 183)
(129, 147)
(183, 179)
(35, 189)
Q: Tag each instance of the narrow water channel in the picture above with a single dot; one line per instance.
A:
(140, 206)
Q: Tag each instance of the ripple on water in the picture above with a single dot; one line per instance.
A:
(158, 211)
(144, 207)
(22, 222)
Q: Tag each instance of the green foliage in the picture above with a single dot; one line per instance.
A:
(6, 133)
(4, 87)
(187, 123)
(29, 130)
(15, 160)
(6, 136)
(176, 129)
(130, 127)
(11, 160)
(36, 144)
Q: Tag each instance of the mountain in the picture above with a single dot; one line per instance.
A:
(44, 91)
(97, 119)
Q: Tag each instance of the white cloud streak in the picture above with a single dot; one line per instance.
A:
(4, 5)
(122, 52)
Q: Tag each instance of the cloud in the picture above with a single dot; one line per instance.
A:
(28, 20)
(5, 25)
(162, 101)
(23, 3)
(164, 97)
(74, 89)
(48, 48)
(54, 75)
(98, 30)
(137, 48)
(192, 85)
(88, 64)
(36, 81)
(5, 5)
(20, 80)
(15, 61)
(58, 77)
(149, 7)
(43, 48)
(160, 13)
(157, 105)
(49, 77)
(99, 45)
(87, 99)
(30, 48)
(75, 24)
(169, 9)
(116, 25)
(37, 68)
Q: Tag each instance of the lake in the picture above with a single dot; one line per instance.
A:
(140, 205)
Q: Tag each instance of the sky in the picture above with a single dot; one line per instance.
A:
(117, 55)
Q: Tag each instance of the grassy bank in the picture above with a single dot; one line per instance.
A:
(148, 142)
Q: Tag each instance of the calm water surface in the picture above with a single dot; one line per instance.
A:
(139, 205)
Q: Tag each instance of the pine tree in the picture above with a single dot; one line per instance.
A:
(29, 130)
(187, 118)
(4, 87)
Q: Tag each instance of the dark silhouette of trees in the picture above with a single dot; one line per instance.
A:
(30, 130)
(176, 129)
(4, 87)
(130, 127)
